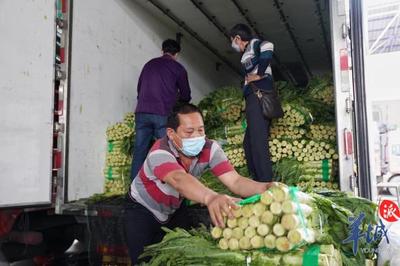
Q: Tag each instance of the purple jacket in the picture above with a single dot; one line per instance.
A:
(162, 82)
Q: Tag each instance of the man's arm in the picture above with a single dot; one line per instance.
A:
(221, 167)
(139, 86)
(242, 186)
(192, 189)
(184, 88)
(263, 63)
(266, 50)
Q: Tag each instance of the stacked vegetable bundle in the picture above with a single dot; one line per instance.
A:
(284, 227)
(305, 138)
(278, 219)
(295, 115)
(322, 90)
(322, 132)
(304, 150)
(314, 157)
(286, 132)
(221, 107)
(118, 158)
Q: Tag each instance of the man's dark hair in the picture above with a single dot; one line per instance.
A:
(243, 31)
(181, 109)
(171, 46)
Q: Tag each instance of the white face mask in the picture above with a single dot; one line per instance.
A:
(191, 146)
(235, 46)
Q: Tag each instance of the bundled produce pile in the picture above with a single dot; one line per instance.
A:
(306, 156)
(304, 139)
(282, 226)
(222, 106)
(118, 157)
(275, 220)
(223, 117)
(304, 150)
(322, 90)
(294, 115)
(322, 132)
(286, 132)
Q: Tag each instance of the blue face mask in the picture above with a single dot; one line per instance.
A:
(193, 146)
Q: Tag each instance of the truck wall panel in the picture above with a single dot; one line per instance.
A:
(111, 42)
(26, 101)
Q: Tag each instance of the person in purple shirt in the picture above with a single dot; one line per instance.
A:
(162, 83)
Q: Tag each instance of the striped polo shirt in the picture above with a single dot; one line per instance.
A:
(250, 60)
(149, 189)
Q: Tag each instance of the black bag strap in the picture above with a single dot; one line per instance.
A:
(258, 92)
(257, 48)
(254, 87)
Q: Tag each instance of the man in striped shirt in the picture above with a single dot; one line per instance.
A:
(171, 173)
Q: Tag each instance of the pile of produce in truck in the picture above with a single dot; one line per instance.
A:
(304, 139)
(296, 140)
(282, 226)
(120, 139)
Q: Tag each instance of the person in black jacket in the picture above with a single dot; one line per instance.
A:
(256, 62)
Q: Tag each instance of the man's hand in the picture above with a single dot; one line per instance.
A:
(243, 186)
(219, 206)
(252, 77)
(268, 185)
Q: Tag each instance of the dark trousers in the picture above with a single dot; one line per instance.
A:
(142, 228)
(255, 142)
(147, 127)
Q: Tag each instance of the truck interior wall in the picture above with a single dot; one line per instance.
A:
(111, 41)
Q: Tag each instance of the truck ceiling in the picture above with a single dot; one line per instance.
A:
(299, 30)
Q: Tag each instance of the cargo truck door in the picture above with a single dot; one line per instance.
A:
(375, 39)
(26, 101)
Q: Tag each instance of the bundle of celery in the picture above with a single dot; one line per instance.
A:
(120, 139)
(317, 186)
(129, 119)
(228, 130)
(319, 99)
(294, 115)
(119, 131)
(321, 89)
(303, 150)
(221, 106)
(285, 132)
(235, 156)
(307, 176)
(287, 92)
(117, 180)
(235, 140)
(322, 132)
(281, 220)
(338, 207)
